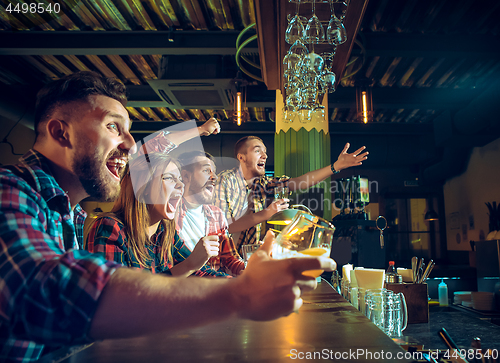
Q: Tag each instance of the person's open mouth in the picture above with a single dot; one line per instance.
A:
(173, 202)
(210, 188)
(116, 166)
(261, 164)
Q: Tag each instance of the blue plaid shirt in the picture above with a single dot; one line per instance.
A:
(49, 286)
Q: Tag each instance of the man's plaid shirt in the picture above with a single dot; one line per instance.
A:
(49, 286)
(231, 193)
(215, 223)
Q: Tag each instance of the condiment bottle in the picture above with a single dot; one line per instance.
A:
(391, 274)
(443, 293)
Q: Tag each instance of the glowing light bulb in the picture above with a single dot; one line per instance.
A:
(238, 109)
(365, 107)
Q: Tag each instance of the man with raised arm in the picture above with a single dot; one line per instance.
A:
(55, 294)
(241, 192)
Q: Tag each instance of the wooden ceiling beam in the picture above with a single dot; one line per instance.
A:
(352, 23)
(267, 14)
(341, 128)
(383, 98)
(121, 43)
(271, 19)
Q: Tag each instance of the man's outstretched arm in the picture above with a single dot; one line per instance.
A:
(344, 161)
(266, 290)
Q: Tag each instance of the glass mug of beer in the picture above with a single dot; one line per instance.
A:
(306, 235)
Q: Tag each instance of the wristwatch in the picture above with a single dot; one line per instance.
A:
(333, 169)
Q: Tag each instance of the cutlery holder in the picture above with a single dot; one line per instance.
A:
(417, 301)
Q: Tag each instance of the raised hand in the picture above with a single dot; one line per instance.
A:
(211, 127)
(346, 160)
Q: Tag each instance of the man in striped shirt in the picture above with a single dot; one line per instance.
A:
(54, 294)
(241, 192)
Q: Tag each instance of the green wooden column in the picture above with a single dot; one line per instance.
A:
(302, 147)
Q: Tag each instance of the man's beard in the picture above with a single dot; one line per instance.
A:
(90, 168)
(200, 196)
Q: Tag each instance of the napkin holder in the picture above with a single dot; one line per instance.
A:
(417, 300)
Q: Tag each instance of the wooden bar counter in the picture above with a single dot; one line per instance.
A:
(326, 324)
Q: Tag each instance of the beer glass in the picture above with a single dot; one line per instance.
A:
(306, 235)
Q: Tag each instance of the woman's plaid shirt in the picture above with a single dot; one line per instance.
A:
(107, 237)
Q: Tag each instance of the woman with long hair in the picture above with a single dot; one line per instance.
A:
(140, 229)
